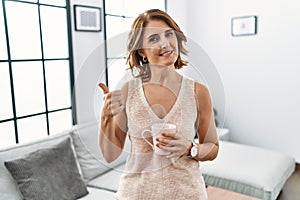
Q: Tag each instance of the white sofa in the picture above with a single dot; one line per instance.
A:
(250, 170)
(93, 168)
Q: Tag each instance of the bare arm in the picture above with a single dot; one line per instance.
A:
(113, 125)
(208, 146)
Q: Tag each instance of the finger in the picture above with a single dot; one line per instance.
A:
(116, 105)
(165, 141)
(170, 155)
(104, 88)
(116, 96)
(173, 155)
(117, 110)
(169, 134)
(113, 96)
(167, 148)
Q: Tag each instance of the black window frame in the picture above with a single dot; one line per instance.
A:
(9, 61)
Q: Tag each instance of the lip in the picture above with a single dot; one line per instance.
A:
(166, 53)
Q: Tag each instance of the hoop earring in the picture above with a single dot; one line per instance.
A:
(145, 59)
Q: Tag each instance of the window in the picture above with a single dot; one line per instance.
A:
(119, 16)
(36, 70)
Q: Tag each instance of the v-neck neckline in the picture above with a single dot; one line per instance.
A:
(173, 108)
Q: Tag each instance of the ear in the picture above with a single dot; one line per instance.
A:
(141, 52)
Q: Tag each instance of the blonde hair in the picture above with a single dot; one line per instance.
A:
(136, 36)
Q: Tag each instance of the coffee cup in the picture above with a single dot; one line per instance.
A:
(156, 130)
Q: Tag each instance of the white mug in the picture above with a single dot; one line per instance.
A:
(156, 130)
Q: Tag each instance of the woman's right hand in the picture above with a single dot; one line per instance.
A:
(113, 123)
(114, 101)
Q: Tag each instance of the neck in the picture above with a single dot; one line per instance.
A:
(163, 75)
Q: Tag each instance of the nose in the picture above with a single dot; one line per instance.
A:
(164, 43)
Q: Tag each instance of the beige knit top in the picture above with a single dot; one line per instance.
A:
(151, 176)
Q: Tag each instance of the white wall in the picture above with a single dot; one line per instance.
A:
(89, 64)
(259, 73)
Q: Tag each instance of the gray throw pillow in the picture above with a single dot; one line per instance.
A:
(49, 174)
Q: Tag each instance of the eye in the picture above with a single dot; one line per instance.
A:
(169, 34)
(153, 39)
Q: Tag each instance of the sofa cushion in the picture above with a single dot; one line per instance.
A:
(48, 173)
(9, 189)
(110, 180)
(90, 158)
(249, 170)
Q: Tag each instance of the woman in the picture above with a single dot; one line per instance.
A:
(159, 94)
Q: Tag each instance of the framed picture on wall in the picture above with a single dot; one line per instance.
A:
(87, 18)
(243, 26)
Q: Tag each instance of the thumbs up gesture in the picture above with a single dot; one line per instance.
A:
(114, 101)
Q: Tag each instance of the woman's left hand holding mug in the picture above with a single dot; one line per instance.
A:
(174, 143)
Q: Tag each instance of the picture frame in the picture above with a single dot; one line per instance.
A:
(244, 26)
(87, 18)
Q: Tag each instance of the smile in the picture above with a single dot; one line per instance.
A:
(166, 53)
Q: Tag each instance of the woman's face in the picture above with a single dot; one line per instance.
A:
(160, 44)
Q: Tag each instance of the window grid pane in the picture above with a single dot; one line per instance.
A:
(3, 46)
(60, 121)
(117, 34)
(58, 84)
(117, 67)
(7, 134)
(125, 8)
(54, 31)
(54, 2)
(32, 128)
(141, 6)
(28, 87)
(5, 91)
(114, 7)
(26, 21)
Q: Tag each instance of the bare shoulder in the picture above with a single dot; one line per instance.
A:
(203, 97)
(201, 91)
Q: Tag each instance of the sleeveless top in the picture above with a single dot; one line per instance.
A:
(151, 176)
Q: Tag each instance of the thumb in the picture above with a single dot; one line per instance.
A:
(104, 88)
